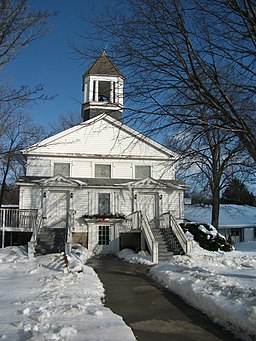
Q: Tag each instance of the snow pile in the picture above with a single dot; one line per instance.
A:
(79, 256)
(131, 256)
(42, 302)
(207, 236)
(14, 254)
(220, 284)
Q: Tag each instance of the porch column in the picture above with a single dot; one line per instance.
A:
(3, 229)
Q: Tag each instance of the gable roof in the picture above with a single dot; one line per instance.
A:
(60, 180)
(103, 66)
(101, 182)
(76, 141)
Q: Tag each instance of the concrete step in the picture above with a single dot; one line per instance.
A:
(50, 241)
(168, 245)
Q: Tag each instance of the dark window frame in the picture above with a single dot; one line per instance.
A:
(104, 203)
(103, 235)
(59, 172)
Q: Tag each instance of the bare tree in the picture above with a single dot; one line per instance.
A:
(17, 134)
(19, 26)
(209, 158)
(182, 55)
(65, 121)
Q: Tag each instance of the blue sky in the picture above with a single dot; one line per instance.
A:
(50, 60)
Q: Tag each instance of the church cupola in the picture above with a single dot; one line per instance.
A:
(103, 89)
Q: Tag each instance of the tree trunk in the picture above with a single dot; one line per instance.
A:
(215, 210)
(3, 186)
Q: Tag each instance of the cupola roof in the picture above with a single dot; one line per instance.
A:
(104, 66)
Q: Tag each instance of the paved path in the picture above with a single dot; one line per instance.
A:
(153, 313)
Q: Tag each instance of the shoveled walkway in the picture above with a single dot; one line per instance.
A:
(153, 313)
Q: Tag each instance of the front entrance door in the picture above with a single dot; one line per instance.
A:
(104, 239)
(57, 205)
(148, 206)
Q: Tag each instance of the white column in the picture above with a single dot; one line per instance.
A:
(96, 90)
(90, 90)
(86, 93)
(111, 92)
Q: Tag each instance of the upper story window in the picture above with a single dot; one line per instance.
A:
(104, 91)
(61, 169)
(142, 172)
(103, 171)
(104, 203)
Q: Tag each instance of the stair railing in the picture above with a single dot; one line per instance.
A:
(70, 225)
(150, 239)
(133, 221)
(33, 240)
(171, 222)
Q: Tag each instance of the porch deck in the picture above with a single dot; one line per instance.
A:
(17, 220)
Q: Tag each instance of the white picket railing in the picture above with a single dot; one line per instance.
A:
(169, 221)
(150, 239)
(19, 218)
(133, 220)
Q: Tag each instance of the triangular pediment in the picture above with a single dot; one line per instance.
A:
(103, 137)
(148, 183)
(60, 180)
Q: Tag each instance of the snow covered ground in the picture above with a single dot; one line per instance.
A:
(41, 300)
(222, 285)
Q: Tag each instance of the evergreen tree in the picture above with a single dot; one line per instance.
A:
(238, 193)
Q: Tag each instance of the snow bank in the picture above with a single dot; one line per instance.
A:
(220, 284)
(131, 256)
(42, 302)
(79, 256)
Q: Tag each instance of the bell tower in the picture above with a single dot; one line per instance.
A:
(103, 89)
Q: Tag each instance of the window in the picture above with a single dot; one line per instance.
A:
(104, 91)
(61, 169)
(142, 172)
(104, 203)
(103, 235)
(102, 171)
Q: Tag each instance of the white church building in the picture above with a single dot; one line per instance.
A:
(101, 183)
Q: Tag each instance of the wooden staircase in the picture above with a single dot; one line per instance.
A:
(50, 240)
(168, 244)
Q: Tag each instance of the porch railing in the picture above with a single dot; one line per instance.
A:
(11, 218)
(168, 221)
(132, 221)
(33, 241)
(69, 228)
(150, 239)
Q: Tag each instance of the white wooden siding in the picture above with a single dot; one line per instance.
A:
(172, 202)
(30, 198)
(39, 167)
(98, 138)
(163, 170)
(122, 170)
(84, 168)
